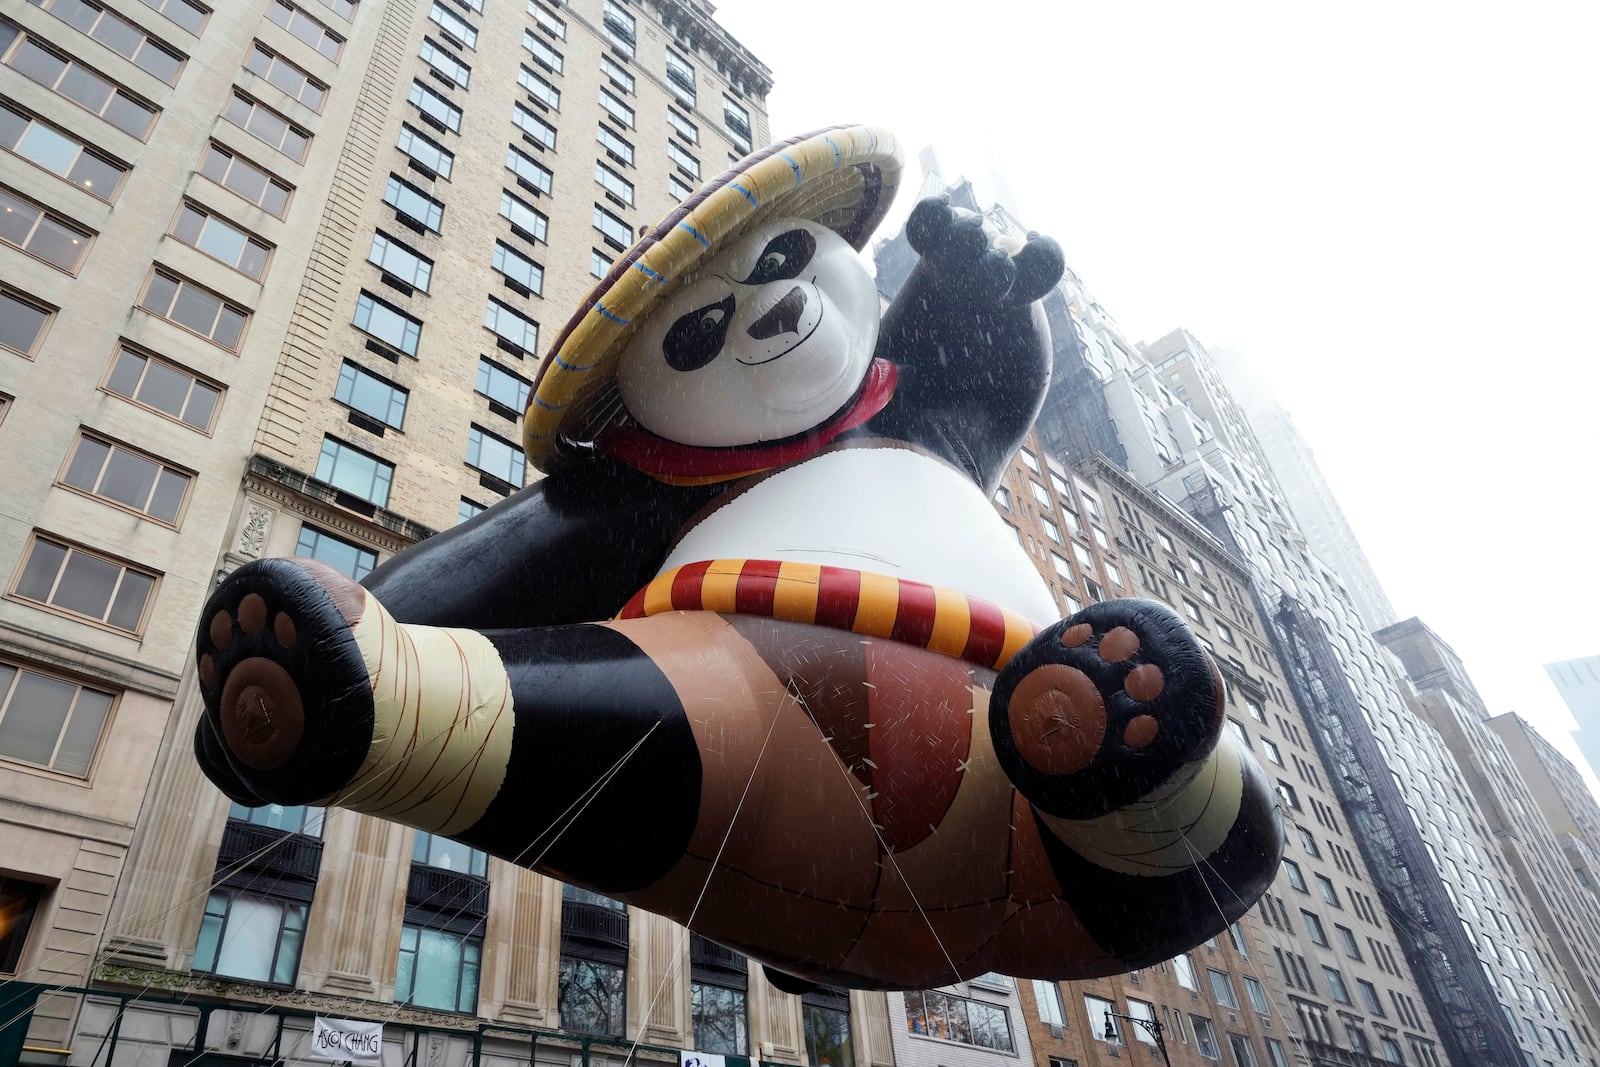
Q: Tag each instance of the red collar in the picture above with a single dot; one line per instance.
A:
(681, 464)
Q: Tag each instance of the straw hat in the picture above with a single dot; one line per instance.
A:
(843, 177)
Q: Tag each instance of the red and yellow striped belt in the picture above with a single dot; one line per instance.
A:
(842, 599)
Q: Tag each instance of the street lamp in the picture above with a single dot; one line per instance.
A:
(1152, 1026)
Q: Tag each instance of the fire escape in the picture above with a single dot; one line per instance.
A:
(1430, 933)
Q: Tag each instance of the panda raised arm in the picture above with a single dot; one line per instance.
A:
(969, 342)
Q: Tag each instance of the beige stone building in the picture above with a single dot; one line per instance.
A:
(1562, 796)
(275, 276)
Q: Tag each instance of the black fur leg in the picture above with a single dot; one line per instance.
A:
(288, 700)
(1102, 708)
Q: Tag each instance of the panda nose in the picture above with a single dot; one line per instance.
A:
(783, 318)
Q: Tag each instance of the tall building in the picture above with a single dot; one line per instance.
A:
(1578, 682)
(1306, 492)
(1313, 975)
(1563, 797)
(1396, 780)
(1545, 976)
(273, 281)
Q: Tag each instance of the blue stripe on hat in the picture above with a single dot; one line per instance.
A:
(835, 148)
(614, 318)
(652, 275)
(698, 236)
(792, 166)
(549, 407)
(747, 194)
(564, 365)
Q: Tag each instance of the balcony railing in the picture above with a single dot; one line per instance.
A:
(591, 922)
(448, 892)
(250, 852)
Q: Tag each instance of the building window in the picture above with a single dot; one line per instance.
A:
(210, 234)
(358, 473)
(245, 179)
(542, 53)
(679, 189)
(518, 268)
(448, 977)
(1184, 970)
(1273, 754)
(1291, 798)
(1329, 893)
(684, 128)
(186, 13)
(510, 325)
(1369, 996)
(291, 819)
(19, 903)
(737, 121)
(618, 26)
(255, 938)
(1051, 530)
(615, 146)
(614, 230)
(1048, 996)
(681, 74)
(1308, 842)
(306, 28)
(1336, 984)
(616, 108)
(591, 983)
(1258, 995)
(454, 25)
(341, 555)
(529, 171)
(599, 263)
(468, 509)
(47, 722)
(1347, 941)
(1244, 1054)
(431, 850)
(1140, 1009)
(687, 163)
(539, 89)
(265, 63)
(435, 108)
(1313, 924)
(387, 323)
(268, 126)
(68, 78)
(22, 322)
(441, 60)
(1291, 870)
(195, 309)
(1390, 1050)
(615, 186)
(400, 261)
(164, 388)
(41, 233)
(534, 127)
(495, 456)
(1222, 988)
(551, 24)
(617, 73)
(60, 153)
(825, 1014)
(501, 386)
(1099, 1010)
(414, 204)
(1205, 1038)
(717, 998)
(952, 1018)
(120, 475)
(85, 584)
(371, 395)
(430, 155)
(523, 216)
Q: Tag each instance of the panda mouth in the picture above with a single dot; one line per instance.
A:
(783, 318)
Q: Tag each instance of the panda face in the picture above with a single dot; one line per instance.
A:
(767, 340)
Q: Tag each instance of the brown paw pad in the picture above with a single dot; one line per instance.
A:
(1144, 683)
(220, 629)
(262, 716)
(1119, 643)
(1058, 719)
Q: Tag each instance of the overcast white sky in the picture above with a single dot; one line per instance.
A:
(1390, 208)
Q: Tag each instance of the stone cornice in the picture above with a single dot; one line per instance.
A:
(282, 484)
(86, 662)
(686, 18)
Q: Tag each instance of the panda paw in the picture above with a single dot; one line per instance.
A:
(954, 243)
(288, 699)
(1103, 708)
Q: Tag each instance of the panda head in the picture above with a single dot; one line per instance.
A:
(767, 340)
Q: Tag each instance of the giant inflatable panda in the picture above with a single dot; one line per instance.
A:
(757, 654)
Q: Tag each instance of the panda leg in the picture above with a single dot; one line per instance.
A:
(507, 740)
(1161, 829)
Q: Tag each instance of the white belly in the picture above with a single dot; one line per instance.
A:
(886, 510)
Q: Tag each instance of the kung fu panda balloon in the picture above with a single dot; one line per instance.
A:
(757, 653)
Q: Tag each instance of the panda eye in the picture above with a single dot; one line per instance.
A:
(696, 338)
(785, 256)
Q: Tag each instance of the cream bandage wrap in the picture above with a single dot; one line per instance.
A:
(441, 738)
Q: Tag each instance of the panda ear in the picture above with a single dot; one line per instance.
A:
(697, 336)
